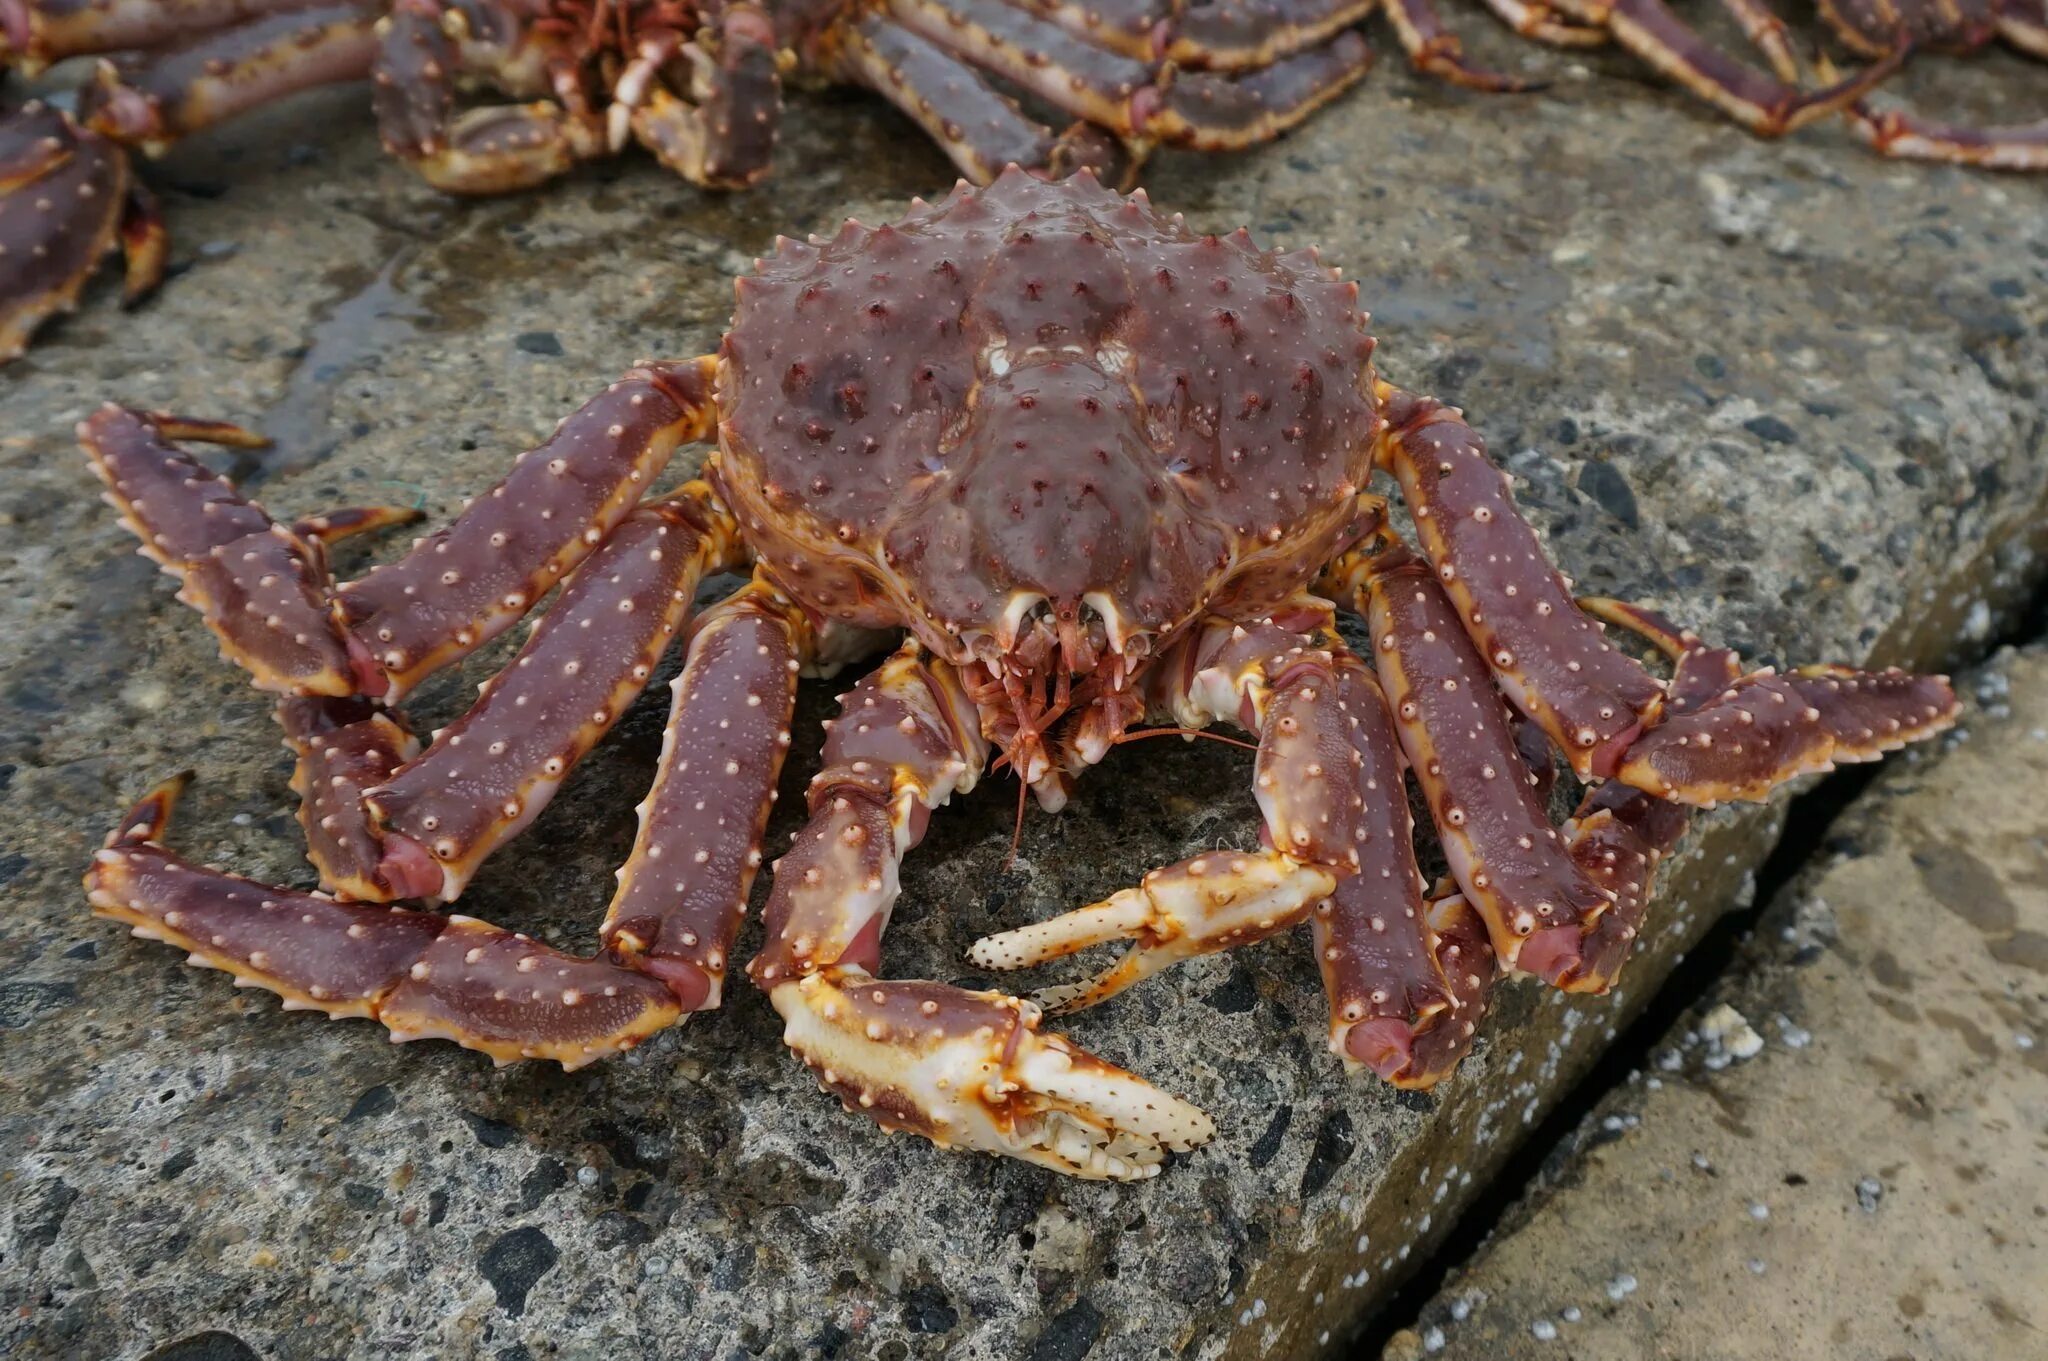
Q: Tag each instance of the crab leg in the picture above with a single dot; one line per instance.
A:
(424, 975)
(683, 891)
(423, 47)
(1213, 112)
(1618, 834)
(964, 1069)
(979, 127)
(1766, 728)
(2024, 26)
(63, 197)
(1542, 23)
(1894, 132)
(344, 747)
(1768, 34)
(353, 522)
(1766, 106)
(153, 100)
(1228, 35)
(1437, 51)
(1508, 859)
(463, 585)
(1329, 783)
(260, 587)
(36, 33)
(491, 772)
(1552, 661)
(1067, 72)
(1608, 714)
(723, 136)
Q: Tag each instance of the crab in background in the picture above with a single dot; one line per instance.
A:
(1083, 469)
(699, 83)
(1051, 85)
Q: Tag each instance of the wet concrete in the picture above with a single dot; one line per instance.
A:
(1839, 1152)
(1787, 392)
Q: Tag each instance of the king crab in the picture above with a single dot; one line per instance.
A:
(1091, 468)
(699, 84)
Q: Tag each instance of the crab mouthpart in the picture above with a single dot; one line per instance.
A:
(970, 1070)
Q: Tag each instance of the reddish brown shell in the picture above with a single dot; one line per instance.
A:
(1042, 389)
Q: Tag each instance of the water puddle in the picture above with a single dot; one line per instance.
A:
(355, 331)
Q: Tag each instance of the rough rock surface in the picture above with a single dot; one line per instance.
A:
(1838, 1152)
(1789, 392)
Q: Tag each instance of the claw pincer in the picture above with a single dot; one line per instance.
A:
(971, 1070)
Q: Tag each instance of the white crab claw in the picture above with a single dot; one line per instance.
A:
(1202, 905)
(970, 1070)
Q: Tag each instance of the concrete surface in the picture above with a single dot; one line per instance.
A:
(1840, 1152)
(1789, 392)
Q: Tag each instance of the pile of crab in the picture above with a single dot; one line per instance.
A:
(1093, 471)
(1048, 84)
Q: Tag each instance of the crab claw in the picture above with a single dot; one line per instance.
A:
(1197, 907)
(970, 1070)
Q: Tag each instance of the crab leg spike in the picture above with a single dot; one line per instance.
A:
(422, 974)
(62, 203)
(1551, 661)
(463, 585)
(259, 587)
(344, 747)
(489, 774)
(683, 891)
(1437, 51)
(979, 127)
(1212, 112)
(1506, 856)
(354, 522)
(164, 95)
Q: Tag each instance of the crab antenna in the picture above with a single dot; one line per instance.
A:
(1124, 737)
(1017, 831)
